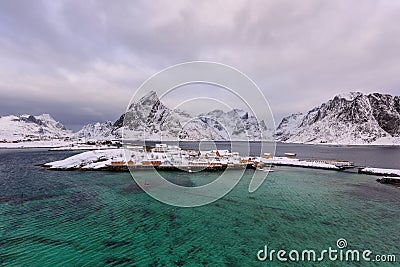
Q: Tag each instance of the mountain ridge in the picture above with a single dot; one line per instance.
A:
(19, 127)
(149, 118)
(353, 118)
(346, 119)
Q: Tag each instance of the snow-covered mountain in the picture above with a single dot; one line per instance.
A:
(352, 118)
(232, 125)
(97, 131)
(28, 127)
(149, 118)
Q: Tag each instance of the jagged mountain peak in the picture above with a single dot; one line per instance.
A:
(150, 97)
(241, 113)
(213, 113)
(181, 112)
(149, 118)
(349, 96)
(45, 116)
(41, 120)
(352, 118)
(147, 101)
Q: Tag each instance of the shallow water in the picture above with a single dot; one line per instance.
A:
(74, 218)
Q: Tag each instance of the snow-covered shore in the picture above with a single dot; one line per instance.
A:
(380, 171)
(107, 158)
(37, 144)
(168, 157)
(95, 159)
(62, 145)
(81, 147)
(299, 163)
(53, 145)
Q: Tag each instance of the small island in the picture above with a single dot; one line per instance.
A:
(169, 157)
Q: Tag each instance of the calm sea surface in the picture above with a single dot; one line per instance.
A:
(75, 218)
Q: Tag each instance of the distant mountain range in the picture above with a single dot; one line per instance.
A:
(28, 127)
(97, 131)
(352, 118)
(149, 118)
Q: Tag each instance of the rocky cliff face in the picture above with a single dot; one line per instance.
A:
(386, 111)
(149, 117)
(353, 118)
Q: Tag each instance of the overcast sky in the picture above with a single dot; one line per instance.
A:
(82, 60)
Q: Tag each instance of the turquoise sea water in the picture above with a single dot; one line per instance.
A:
(74, 218)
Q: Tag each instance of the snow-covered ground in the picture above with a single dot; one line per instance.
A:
(38, 144)
(299, 163)
(384, 141)
(89, 160)
(380, 171)
(97, 159)
(80, 147)
(137, 156)
(102, 158)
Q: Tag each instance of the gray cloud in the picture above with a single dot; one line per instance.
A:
(82, 60)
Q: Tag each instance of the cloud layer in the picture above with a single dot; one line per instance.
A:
(82, 60)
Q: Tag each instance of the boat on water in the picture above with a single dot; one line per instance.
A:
(265, 169)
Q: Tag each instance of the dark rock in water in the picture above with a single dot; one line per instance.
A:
(115, 244)
(179, 262)
(117, 261)
(132, 189)
(388, 180)
(172, 217)
(83, 199)
(22, 198)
